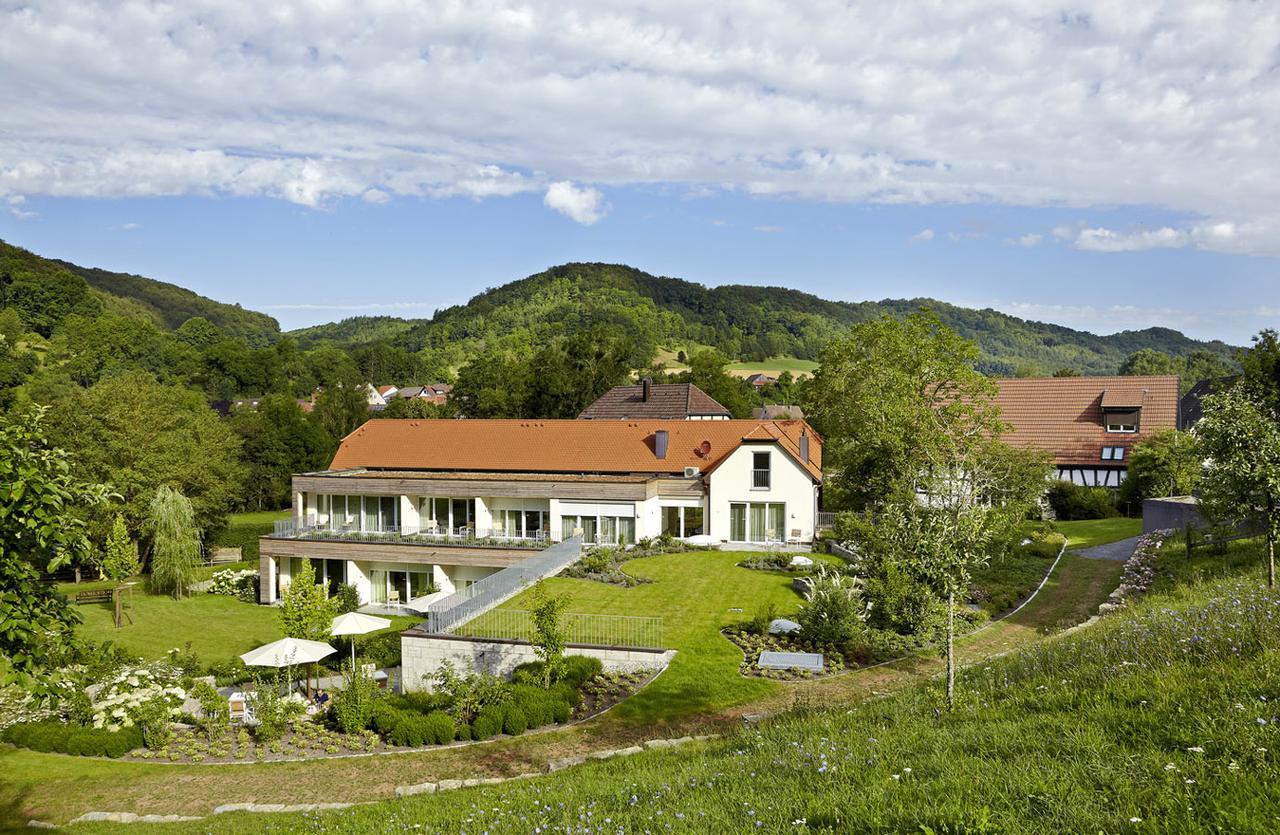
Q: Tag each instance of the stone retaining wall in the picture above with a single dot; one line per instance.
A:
(422, 654)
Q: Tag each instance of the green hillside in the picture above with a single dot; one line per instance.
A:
(357, 330)
(46, 290)
(171, 305)
(747, 323)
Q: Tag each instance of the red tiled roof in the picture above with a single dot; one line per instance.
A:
(667, 401)
(564, 446)
(1063, 415)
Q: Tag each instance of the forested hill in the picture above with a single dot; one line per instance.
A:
(745, 322)
(39, 286)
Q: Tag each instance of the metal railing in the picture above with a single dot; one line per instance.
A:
(760, 478)
(467, 536)
(449, 613)
(580, 628)
(825, 519)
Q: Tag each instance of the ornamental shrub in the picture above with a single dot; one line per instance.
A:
(353, 704)
(240, 583)
(56, 736)
(514, 722)
(534, 703)
(1071, 501)
(346, 599)
(579, 669)
(488, 723)
(438, 728)
(215, 715)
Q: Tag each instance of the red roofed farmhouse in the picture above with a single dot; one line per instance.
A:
(1089, 424)
(412, 510)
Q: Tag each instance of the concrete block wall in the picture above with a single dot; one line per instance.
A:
(422, 655)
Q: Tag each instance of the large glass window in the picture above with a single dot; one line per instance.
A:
(671, 524)
(693, 521)
(757, 522)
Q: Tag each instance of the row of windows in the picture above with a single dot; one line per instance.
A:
(757, 522)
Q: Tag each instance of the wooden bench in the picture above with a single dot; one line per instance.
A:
(94, 596)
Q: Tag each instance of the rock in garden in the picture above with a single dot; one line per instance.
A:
(782, 626)
(804, 586)
(801, 562)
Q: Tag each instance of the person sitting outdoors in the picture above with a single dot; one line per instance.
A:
(321, 699)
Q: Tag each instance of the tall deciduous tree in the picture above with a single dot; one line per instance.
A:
(886, 397)
(708, 371)
(134, 434)
(277, 439)
(1240, 439)
(305, 609)
(1168, 463)
(40, 530)
(341, 408)
(175, 542)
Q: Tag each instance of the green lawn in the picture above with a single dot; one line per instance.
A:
(695, 594)
(1157, 719)
(773, 366)
(218, 626)
(1086, 533)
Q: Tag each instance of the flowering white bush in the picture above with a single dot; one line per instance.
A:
(18, 705)
(241, 583)
(117, 700)
(1139, 570)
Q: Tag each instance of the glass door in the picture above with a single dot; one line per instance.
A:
(378, 586)
(399, 583)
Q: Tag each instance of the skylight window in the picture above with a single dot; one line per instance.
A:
(1113, 453)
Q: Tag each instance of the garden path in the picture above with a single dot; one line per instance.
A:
(1118, 551)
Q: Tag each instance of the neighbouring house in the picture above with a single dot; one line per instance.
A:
(650, 401)
(411, 510)
(437, 393)
(387, 392)
(1088, 424)
(773, 411)
(1191, 408)
(409, 392)
(374, 397)
(759, 381)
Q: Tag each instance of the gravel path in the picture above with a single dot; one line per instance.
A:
(1118, 551)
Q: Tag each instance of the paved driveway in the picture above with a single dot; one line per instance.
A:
(1118, 551)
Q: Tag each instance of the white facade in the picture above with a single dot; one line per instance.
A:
(756, 515)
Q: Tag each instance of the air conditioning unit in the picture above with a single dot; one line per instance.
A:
(691, 472)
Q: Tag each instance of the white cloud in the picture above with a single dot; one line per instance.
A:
(768, 230)
(585, 205)
(923, 235)
(1108, 240)
(1028, 240)
(129, 227)
(1203, 323)
(1174, 106)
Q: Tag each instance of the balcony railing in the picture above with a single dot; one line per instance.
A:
(464, 536)
(760, 479)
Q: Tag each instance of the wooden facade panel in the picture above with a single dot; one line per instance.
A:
(393, 552)
(677, 488)
(635, 491)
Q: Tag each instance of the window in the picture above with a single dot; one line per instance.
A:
(1113, 453)
(671, 523)
(1122, 420)
(693, 521)
(757, 522)
(1119, 453)
(760, 471)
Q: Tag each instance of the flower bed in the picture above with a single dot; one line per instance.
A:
(833, 659)
(608, 689)
(1139, 571)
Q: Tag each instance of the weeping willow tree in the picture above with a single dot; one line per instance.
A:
(175, 542)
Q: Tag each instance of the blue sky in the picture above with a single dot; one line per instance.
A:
(1105, 166)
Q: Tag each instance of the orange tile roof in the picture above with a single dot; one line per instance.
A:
(1063, 415)
(564, 446)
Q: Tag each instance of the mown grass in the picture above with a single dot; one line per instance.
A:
(696, 594)
(1161, 718)
(1085, 533)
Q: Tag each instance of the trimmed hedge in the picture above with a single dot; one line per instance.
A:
(1071, 501)
(514, 721)
(577, 671)
(412, 729)
(51, 736)
(243, 535)
(488, 723)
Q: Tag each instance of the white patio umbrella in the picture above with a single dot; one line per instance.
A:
(286, 652)
(355, 623)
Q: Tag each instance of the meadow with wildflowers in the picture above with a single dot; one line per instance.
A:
(1164, 716)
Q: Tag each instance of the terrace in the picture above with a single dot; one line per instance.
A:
(465, 536)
